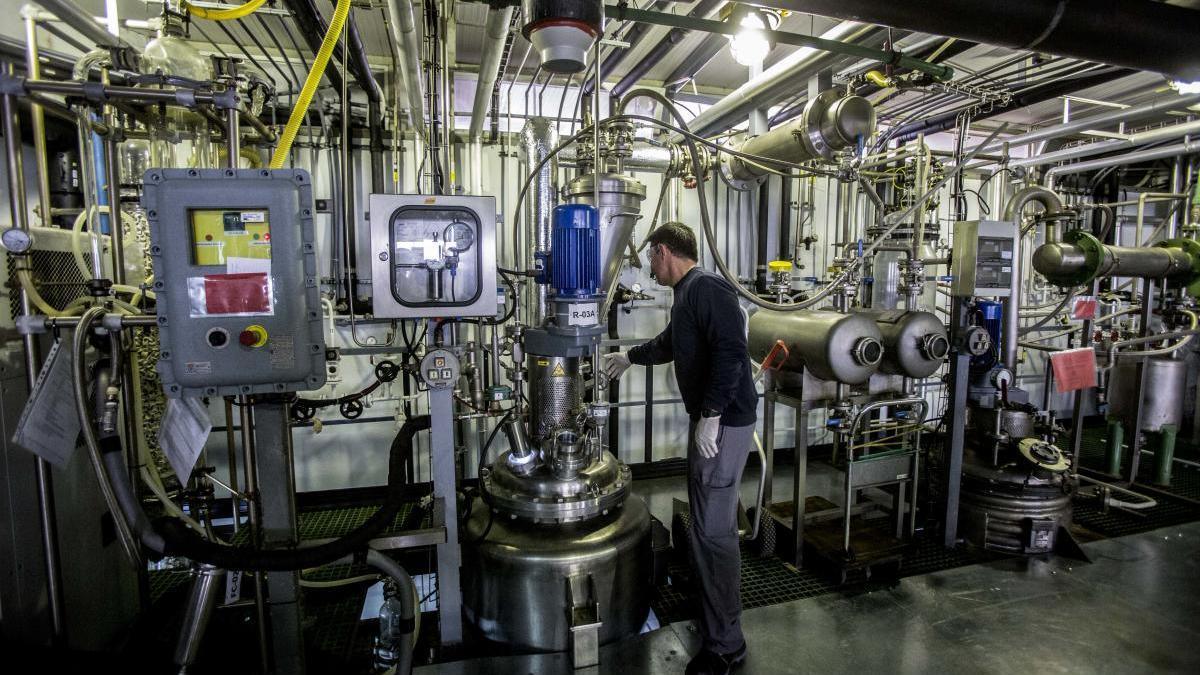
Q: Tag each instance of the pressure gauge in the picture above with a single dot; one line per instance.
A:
(458, 237)
(17, 241)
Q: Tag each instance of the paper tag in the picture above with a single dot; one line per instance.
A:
(582, 315)
(184, 431)
(1074, 369)
(49, 424)
(1083, 308)
(248, 265)
(233, 587)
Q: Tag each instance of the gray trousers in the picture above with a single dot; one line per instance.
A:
(715, 556)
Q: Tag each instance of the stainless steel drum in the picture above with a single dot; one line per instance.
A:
(831, 346)
(1162, 399)
(516, 575)
(914, 343)
(1015, 507)
(555, 393)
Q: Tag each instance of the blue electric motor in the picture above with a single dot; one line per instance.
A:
(575, 238)
(992, 315)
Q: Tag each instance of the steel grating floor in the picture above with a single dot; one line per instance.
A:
(335, 635)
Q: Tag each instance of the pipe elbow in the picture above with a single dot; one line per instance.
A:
(1033, 193)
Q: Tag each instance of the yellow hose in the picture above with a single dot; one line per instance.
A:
(310, 84)
(878, 79)
(224, 14)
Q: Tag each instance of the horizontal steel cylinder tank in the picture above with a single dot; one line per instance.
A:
(516, 575)
(830, 345)
(914, 343)
(1162, 398)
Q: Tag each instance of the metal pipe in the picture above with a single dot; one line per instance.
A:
(45, 488)
(1187, 147)
(495, 32)
(1012, 306)
(37, 116)
(538, 138)
(673, 37)
(1016, 204)
(404, 31)
(1159, 106)
(1131, 141)
(75, 17)
(776, 83)
(1106, 31)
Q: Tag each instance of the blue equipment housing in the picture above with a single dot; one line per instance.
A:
(575, 240)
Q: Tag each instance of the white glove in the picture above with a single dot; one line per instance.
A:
(615, 364)
(706, 436)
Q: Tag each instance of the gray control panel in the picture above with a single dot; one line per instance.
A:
(983, 258)
(440, 369)
(433, 256)
(236, 280)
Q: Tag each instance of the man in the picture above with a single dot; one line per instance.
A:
(706, 340)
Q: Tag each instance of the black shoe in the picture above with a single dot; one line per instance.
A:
(711, 663)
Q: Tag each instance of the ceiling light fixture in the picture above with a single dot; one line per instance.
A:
(750, 45)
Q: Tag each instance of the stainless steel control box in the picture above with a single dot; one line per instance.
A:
(983, 258)
(433, 256)
(235, 270)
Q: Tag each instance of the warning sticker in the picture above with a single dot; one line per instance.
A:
(558, 371)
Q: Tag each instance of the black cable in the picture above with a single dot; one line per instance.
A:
(180, 540)
(303, 409)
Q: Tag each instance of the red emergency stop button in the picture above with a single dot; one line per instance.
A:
(253, 336)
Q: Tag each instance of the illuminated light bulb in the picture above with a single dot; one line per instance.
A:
(1182, 87)
(749, 47)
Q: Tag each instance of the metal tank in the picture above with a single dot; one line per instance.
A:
(914, 343)
(516, 575)
(1162, 399)
(830, 345)
(1016, 507)
(620, 206)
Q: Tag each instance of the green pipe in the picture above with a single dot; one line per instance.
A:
(624, 13)
(1116, 438)
(1163, 444)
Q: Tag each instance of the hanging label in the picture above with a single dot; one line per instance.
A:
(1083, 308)
(49, 424)
(184, 431)
(583, 314)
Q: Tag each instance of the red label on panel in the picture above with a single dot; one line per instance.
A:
(237, 293)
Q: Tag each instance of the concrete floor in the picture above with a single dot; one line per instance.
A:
(1132, 610)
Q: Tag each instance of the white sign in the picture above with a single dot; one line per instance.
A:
(583, 315)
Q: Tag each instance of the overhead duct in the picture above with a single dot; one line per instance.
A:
(775, 83)
(632, 38)
(495, 33)
(404, 31)
(660, 50)
(1186, 148)
(1137, 34)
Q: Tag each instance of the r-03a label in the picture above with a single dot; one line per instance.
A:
(583, 315)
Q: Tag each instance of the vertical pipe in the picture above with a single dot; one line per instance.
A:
(233, 138)
(20, 220)
(38, 116)
(231, 450)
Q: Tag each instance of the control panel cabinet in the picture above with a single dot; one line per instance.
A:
(236, 281)
(433, 256)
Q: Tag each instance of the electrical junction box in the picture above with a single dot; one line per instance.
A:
(983, 258)
(433, 256)
(235, 268)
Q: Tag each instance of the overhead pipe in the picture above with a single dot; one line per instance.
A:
(652, 58)
(75, 17)
(781, 80)
(694, 61)
(312, 27)
(1188, 147)
(1131, 141)
(1038, 94)
(1159, 106)
(404, 31)
(632, 37)
(1138, 34)
(495, 34)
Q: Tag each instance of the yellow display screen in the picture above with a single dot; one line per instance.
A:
(220, 234)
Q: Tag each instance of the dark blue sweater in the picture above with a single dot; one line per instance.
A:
(706, 339)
